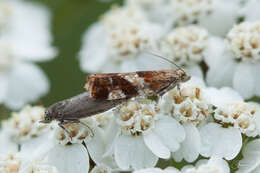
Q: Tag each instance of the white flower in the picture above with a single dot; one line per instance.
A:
(240, 115)
(117, 43)
(143, 134)
(186, 45)
(158, 170)
(19, 44)
(217, 141)
(250, 11)
(101, 169)
(37, 167)
(22, 127)
(60, 149)
(236, 62)
(213, 165)
(190, 107)
(207, 13)
(156, 11)
(231, 110)
(251, 158)
(10, 163)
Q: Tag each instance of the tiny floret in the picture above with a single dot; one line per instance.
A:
(240, 115)
(190, 11)
(24, 125)
(187, 105)
(185, 45)
(244, 41)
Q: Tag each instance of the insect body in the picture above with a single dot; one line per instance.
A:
(114, 86)
(105, 91)
(80, 106)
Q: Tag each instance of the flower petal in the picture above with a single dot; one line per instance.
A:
(251, 157)
(67, 159)
(256, 73)
(131, 152)
(170, 132)
(190, 147)
(93, 46)
(26, 84)
(243, 80)
(220, 142)
(153, 142)
(3, 86)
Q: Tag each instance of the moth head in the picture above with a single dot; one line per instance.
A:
(48, 116)
(185, 77)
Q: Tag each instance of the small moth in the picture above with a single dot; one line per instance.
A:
(105, 91)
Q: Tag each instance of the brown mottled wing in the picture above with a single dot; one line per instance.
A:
(110, 86)
(155, 81)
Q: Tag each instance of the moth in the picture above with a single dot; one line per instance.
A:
(105, 91)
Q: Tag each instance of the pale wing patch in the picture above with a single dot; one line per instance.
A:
(116, 94)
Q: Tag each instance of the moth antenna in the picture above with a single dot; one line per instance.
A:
(166, 59)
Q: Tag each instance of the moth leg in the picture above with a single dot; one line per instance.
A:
(78, 121)
(89, 128)
(61, 125)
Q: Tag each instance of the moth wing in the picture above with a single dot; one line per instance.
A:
(111, 86)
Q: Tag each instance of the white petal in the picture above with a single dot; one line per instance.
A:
(68, 159)
(251, 157)
(3, 86)
(215, 53)
(31, 43)
(170, 132)
(6, 145)
(221, 75)
(97, 148)
(153, 142)
(93, 54)
(223, 96)
(251, 10)
(131, 152)
(243, 80)
(225, 12)
(220, 142)
(257, 121)
(171, 170)
(190, 147)
(27, 83)
(256, 73)
(150, 170)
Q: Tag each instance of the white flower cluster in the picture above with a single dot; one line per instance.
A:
(20, 46)
(183, 124)
(202, 36)
(209, 124)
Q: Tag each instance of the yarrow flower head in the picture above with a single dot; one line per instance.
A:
(186, 47)
(120, 39)
(187, 105)
(238, 59)
(23, 126)
(138, 117)
(142, 132)
(75, 133)
(207, 13)
(241, 116)
(10, 163)
(243, 40)
(190, 11)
